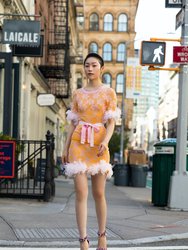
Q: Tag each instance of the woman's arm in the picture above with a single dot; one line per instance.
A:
(109, 132)
(67, 143)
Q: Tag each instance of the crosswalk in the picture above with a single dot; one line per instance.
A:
(123, 248)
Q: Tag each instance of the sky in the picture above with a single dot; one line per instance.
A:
(154, 20)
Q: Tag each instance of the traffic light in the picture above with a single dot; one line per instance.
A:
(152, 53)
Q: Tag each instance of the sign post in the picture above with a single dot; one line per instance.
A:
(178, 198)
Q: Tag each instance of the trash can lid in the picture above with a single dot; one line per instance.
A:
(166, 142)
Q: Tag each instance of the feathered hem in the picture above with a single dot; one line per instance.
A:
(79, 167)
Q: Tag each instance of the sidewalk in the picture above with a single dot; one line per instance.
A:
(132, 219)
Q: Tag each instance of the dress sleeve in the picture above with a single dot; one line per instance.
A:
(72, 114)
(112, 111)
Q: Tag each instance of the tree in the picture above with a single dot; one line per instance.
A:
(114, 144)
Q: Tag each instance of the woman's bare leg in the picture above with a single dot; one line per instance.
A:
(98, 190)
(81, 189)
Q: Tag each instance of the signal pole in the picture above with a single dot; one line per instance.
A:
(178, 198)
(123, 108)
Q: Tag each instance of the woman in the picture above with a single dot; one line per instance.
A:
(92, 117)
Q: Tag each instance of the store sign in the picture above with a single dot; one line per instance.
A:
(7, 159)
(29, 51)
(45, 99)
(21, 32)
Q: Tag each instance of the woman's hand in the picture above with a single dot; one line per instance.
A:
(102, 148)
(65, 156)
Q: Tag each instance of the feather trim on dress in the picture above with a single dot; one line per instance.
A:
(110, 114)
(71, 116)
(78, 167)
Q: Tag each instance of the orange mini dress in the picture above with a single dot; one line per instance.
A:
(90, 110)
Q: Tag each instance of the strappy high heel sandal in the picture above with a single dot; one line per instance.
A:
(102, 235)
(82, 240)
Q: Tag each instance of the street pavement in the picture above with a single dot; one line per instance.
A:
(133, 221)
(129, 248)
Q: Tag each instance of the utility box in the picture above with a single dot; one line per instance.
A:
(164, 161)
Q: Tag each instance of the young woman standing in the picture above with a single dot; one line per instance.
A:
(92, 116)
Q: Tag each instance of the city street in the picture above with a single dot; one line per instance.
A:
(128, 248)
(133, 222)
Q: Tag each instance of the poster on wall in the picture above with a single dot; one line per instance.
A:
(7, 159)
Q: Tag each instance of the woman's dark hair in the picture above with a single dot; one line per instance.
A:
(101, 61)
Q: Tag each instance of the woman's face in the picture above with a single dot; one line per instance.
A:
(92, 68)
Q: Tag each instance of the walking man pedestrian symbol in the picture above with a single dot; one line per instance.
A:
(157, 54)
(152, 53)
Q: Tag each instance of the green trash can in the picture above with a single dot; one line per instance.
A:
(164, 161)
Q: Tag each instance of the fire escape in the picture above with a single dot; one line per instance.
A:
(58, 69)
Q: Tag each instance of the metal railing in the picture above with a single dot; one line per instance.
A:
(34, 170)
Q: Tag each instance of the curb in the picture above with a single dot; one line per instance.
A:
(7, 243)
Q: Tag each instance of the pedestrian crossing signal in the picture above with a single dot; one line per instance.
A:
(152, 53)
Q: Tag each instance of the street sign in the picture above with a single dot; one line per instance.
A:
(180, 18)
(152, 53)
(180, 54)
(173, 3)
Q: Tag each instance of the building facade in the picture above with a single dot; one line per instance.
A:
(145, 115)
(49, 73)
(168, 108)
(107, 28)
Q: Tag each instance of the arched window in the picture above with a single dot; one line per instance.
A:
(107, 79)
(108, 22)
(121, 52)
(107, 52)
(119, 83)
(94, 22)
(122, 22)
(93, 47)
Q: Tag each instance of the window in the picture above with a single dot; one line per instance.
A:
(94, 22)
(79, 80)
(107, 52)
(107, 79)
(80, 20)
(93, 47)
(122, 22)
(121, 52)
(119, 83)
(108, 22)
